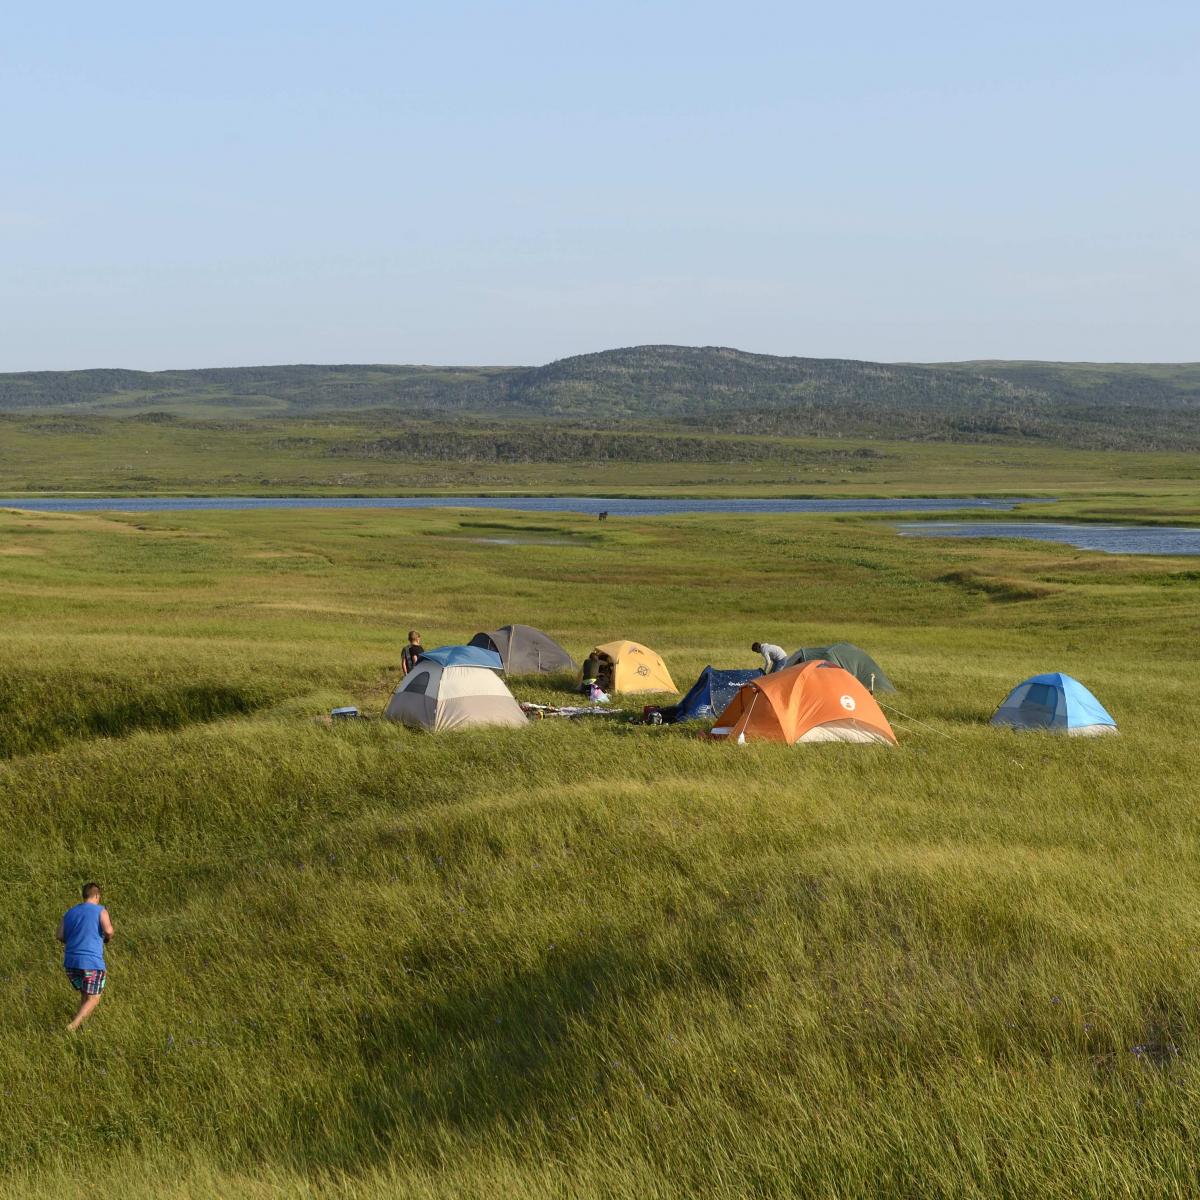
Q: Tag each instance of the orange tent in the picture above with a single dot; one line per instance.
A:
(814, 702)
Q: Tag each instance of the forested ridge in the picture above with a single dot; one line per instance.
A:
(513, 442)
(690, 389)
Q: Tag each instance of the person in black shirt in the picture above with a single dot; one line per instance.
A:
(412, 652)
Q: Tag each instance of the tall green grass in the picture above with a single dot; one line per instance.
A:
(591, 958)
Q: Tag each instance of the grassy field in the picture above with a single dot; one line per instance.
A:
(108, 456)
(591, 958)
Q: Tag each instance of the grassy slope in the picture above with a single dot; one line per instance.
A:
(94, 454)
(591, 959)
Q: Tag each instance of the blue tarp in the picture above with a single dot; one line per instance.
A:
(711, 693)
(464, 656)
(1051, 701)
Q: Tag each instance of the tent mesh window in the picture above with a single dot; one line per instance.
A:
(1042, 698)
(419, 684)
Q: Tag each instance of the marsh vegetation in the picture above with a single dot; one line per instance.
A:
(591, 958)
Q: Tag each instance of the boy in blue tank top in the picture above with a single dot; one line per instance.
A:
(83, 931)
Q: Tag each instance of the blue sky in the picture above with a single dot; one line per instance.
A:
(227, 184)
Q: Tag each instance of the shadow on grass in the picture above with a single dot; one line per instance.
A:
(33, 723)
(996, 587)
(172, 709)
(527, 1053)
(480, 1058)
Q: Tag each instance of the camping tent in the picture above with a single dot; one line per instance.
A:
(632, 667)
(525, 650)
(1056, 702)
(815, 702)
(850, 658)
(452, 687)
(709, 694)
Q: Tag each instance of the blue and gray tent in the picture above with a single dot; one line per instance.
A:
(1055, 702)
(452, 687)
(710, 694)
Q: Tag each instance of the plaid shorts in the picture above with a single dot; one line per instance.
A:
(90, 983)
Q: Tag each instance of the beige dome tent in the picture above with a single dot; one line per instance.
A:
(454, 687)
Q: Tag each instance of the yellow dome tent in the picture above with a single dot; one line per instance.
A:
(631, 667)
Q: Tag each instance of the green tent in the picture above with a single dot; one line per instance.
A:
(850, 658)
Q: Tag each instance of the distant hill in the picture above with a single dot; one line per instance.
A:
(1116, 406)
(248, 391)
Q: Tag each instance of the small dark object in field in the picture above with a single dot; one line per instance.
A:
(349, 713)
(1156, 1053)
(602, 516)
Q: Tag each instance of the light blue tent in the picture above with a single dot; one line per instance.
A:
(464, 656)
(1055, 702)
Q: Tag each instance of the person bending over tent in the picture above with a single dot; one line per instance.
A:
(774, 657)
(83, 932)
(411, 652)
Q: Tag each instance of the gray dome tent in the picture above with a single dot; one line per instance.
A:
(526, 651)
(850, 658)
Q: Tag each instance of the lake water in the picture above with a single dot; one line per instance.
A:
(575, 504)
(1114, 539)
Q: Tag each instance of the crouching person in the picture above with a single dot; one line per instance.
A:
(83, 931)
(774, 657)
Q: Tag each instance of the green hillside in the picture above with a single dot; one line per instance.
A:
(1095, 406)
(248, 391)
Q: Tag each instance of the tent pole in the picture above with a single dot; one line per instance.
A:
(741, 738)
